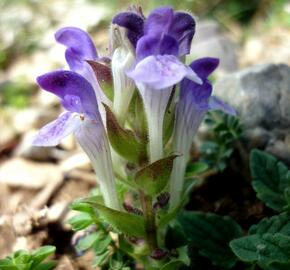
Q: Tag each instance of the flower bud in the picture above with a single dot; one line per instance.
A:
(122, 60)
(130, 209)
(158, 254)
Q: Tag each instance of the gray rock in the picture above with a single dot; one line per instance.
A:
(7, 135)
(261, 95)
(209, 40)
(18, 172)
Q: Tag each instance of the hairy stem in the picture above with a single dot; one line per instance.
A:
(150, 226)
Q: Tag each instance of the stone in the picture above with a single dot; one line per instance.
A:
(271, 46)
(261, 95)
(210, 41)
(7, 135)
(18, 172)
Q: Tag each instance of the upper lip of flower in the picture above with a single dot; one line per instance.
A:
(82, 115)
(79, 45)
(161, 21)
(75, 92)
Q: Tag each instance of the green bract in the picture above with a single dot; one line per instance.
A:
(123, 140)
(154, 177)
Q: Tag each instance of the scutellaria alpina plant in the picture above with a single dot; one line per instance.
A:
(135, 113)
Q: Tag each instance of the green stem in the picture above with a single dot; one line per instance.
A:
(150, 226)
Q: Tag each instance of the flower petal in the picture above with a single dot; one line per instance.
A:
(133, 23)
(160, 71)
(76, 92)
(183, 29)
(156, 45)
(204, 66)
(79, 45)
(93, 139)
(54, 132)
(194, 94)
(159, 21)
(217, 104)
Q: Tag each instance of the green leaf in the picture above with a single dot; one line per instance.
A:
(101, 259)
(195, 168)
(81, 221)
(265, 249)
(7, 264)
(276, 266)
(175, 236)
(46, 266)
(139, 122)
(270, 179)
(173, 265)
(102, 244)
(22, 259)
(125, 222)
(153, 178)
(116, 263)
(182, 259)
(79, 205)
(275, 224)
(210, 234)
(87, 242)
(124, 141)
(41, 254)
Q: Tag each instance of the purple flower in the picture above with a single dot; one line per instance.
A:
(195, 100)
(157, 71)
(79, 49)
(155, 76)
(178, 25)
(161, 21)
(82, 118)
